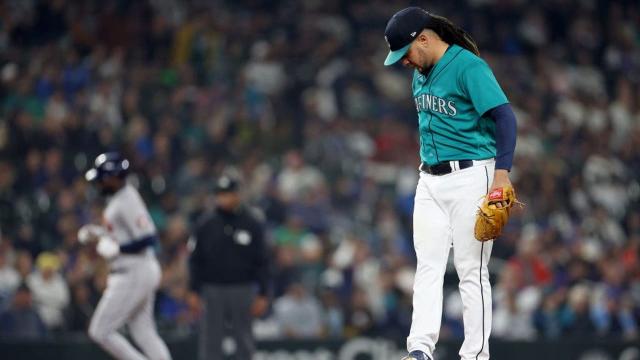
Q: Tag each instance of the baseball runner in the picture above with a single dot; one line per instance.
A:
(467, 135)
(125, 240)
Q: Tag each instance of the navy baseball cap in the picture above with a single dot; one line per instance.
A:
(403, 27)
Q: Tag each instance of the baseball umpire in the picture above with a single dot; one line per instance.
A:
(125, 239)
(230, 271)
(467, 135)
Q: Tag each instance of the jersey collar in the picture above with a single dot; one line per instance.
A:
(451, 51)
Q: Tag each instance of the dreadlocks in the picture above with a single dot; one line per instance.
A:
(452, 34)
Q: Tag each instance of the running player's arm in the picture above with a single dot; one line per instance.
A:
(99, 236)
(90, 233)
(107, 246)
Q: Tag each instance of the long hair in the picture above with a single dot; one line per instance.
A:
(452, 33)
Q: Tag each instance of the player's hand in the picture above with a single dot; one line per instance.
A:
(195, 302)
(107, 248)
(500, 179)
(259, 306)
(89, 233)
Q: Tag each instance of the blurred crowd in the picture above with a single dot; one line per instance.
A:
(292, 95)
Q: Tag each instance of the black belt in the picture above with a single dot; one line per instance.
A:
(138, 246)
(444, 167)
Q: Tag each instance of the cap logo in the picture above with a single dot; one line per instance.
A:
(224, 182)
(413, 34)
(387, 40)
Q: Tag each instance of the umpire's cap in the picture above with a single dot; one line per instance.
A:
(403, 27)
(108, 164)
(226, 184)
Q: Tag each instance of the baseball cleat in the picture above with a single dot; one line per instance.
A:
(416, 355)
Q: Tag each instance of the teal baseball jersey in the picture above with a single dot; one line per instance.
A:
(452, 101)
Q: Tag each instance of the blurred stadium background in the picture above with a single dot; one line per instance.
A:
(294, 97)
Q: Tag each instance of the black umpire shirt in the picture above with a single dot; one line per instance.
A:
(229, 249)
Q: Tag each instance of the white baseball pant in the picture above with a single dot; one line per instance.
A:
(128, 299)
(444, 217)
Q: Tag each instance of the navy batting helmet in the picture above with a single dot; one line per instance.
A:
(108, 164)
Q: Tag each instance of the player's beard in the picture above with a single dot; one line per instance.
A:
(106, 190)
(426, 70)
(425, 67)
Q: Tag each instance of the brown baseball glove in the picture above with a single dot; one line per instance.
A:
(491, 219)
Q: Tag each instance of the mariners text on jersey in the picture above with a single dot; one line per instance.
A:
(434, 103)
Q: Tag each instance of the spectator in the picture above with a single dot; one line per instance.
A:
(574, 317)
(21, 320)
(298, 313)
(9, 278)
(24, 265)
(50, 291)
(360, 320)
(81, 309)
(546, 318)
(177, 309)
(297, 178)
(512, 321)
(333, 314)
(294, 241)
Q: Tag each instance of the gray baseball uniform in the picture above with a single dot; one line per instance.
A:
(131, 285)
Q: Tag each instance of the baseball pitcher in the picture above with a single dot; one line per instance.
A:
(125, 239)
(467, 135)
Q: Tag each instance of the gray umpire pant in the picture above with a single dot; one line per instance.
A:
(227, 311)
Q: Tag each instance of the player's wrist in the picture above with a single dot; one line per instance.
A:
(501, 174)
(500, 179)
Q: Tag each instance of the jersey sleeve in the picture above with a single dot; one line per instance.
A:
(480, 85)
